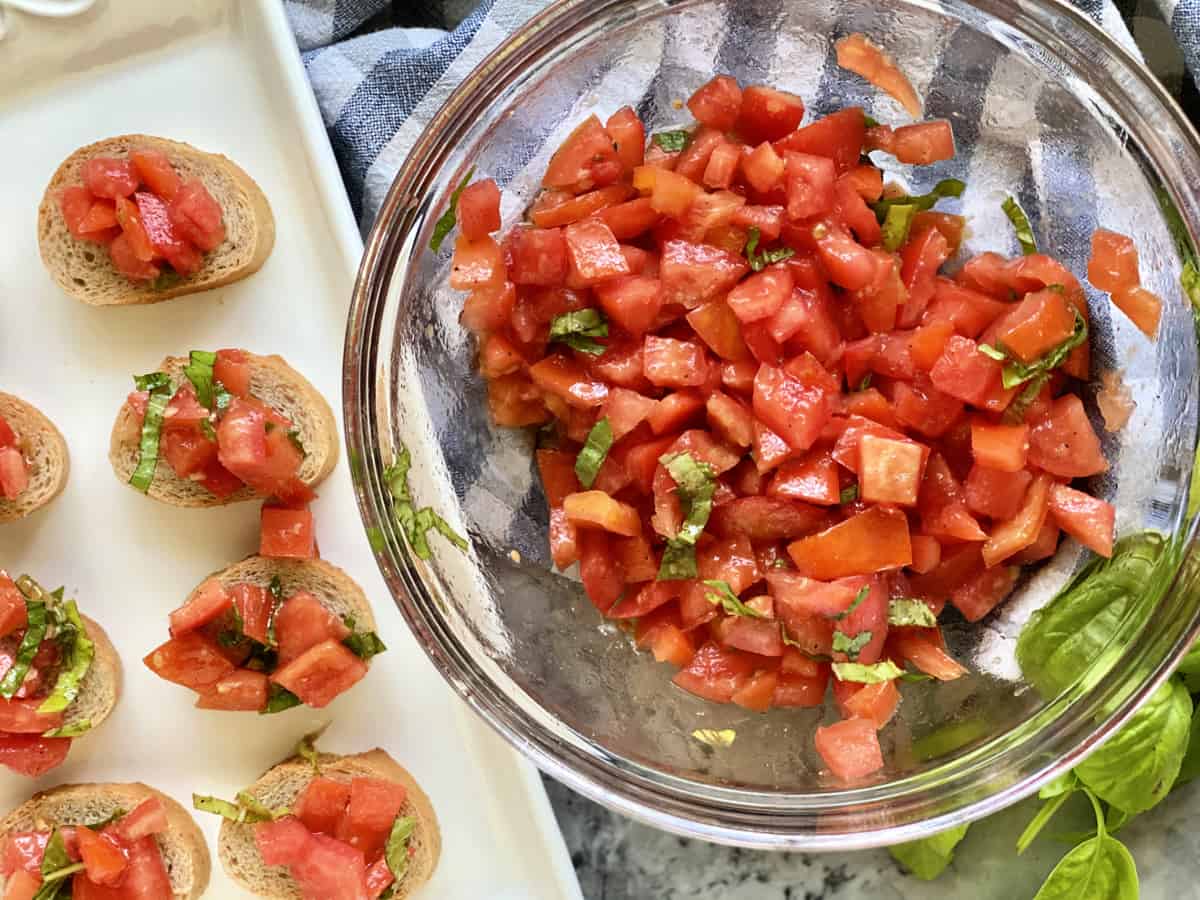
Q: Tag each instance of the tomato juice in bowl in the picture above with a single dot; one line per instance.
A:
(525, 646)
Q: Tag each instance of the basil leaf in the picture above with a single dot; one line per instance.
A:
(1016, 372)
(947, 187)
(678, 561)
(56, 856)
(1043, 817)
(865, 383)
(78, 651)
(254, 807)
(449, 218)
(844, 643)
(728, 600)
(143, 475)
(875, 673)
(848, 494)
(107, 820)
(364, 644)
(767, 257)
(911, 611)
(896, 225)
(279, 700)
(577, 328)
(35, 633)
(671, 141)
(396, 849)
(1020, 224)
(993, 352)
(415, 524)
(1098, 869)
(1015, 413)
(870, 121)
(927, 858)
(70, 730)
(154, 381)
(1065, 783)
(862, 595)
(595, 451)
(1190, 766)
(696, 482)
(246, 811)
(717, 738)
(1189, 279)
(915, 676)
(1135, 768)
(307, 748)
(199, 372)
(56, 869)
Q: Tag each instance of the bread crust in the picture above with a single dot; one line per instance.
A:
(45, 451)
(280, 786)
(274, 382)
(249, 223)
(184, 850)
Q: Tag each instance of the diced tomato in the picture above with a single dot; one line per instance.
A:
(155, 171)
(715, 673)
(301, 623)
(693, 160)
(801, 690)
(889, 471)
(763, 168)
(766, 518)
(717, 103)
(14, 473)
(586, 160)
(795, 409)
(1021, 530)
(761, 295)
(850, 748)
(869, 617)
(599, 568)
(31, 754)
(630, 219)
(984, 591)
(921, 257)
(191, 660)
(487, 308)
(379, 878)
(942, 504)
(158, 229)
(106, 176)
(282, 841)
(147, 818)
(568, 379)
(287, 533)
(207, 603)
(21, 716)
(1044, 546)
(1064, 442)
(593, 253)
(662, 635)
(813, 478)
(374, 805)
(1087, 519)
(628, 136)
(756, 695)
(479, 263)
(232, 369)
(854, 213)
(924, 143)
(242, 689)
(126, 260)
(564, 546)
(846, 450)
(1041, 321)
(1002, 447)
(722, 165)
(730, 419)
(1143, 308)
(103, 857)
(965, 373)
(537, 256)
(924, 649)
(596, 509)
(672, 363)
(22, 885)
(968, 311)
(838, 136)
(515, 402)
(927, 553)
(633, 301)
(321, 673)
(951, 226)
(330, 869)
(869, 542)
(810, 188)
(1114, 263)
(554, 208)
(874, 702)
(321, 804)
(692, 273)
(13, 612)
(996, 494)
(768, 114)
(479, 209)
(197, 216)
(850, 265)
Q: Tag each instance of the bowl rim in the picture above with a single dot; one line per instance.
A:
(662, 800)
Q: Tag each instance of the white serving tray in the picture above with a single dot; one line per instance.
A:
(223, 75)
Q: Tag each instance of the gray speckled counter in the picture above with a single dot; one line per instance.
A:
(618, 859)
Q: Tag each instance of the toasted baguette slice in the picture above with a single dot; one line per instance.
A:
(273, 382)
(183, 849)
(84, 269)
(44, 450)
(281, 786)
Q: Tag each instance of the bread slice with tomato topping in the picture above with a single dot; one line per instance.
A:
(268, 380)
(161, 852)
(34, 462)
(353, 801)
(79, 245)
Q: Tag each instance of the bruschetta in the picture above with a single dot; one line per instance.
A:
(33, 459)
(111, 841)
(322, 826)
(60, 676)
(140, 219)
(220, 427)
(265, 635)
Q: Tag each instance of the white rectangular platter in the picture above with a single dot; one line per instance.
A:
(225, 76)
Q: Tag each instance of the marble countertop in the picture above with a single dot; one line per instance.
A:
(619, 859)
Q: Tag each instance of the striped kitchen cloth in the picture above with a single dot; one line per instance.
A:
(377, 90)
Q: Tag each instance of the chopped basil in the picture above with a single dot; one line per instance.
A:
(862, 595)
(156, 404)
(870, 121)
(578, 328)
(415, 523)
(876, 673)
(206, 428)
(75, 729)
(279, 700)
(947, 187)
(396, 849)
(166, 280)
(199, 372)
(915, 676)
(246, 811)
(911, 611)
(766, 257)
(449, 218)
(723, 737)
(726, 598)
(896, 225)
(595, 451)
(993, 352)
(154, 381)
(787, 638)
(55, 856)
(696, 482)
(116, 814)
(35, 633)
(307, 748)
(293, 435)
(1016, 372)
(865, 383)
(78, 651)
(364, 644)
(671, 141)
(56, 870)
(848, 494)
(1190, 279)
(844, 643)
(1020, 223)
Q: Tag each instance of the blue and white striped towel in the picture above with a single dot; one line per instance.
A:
(378, 90)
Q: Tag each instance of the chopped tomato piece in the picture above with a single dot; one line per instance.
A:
(922, 144)
(996, 494)
(718, 103)
(768, 114)
(321, 673)
(106, 176)
(593, 253)
(102, 856)
(208, 602)
(923, 648)
(197, 216)
(850, 748)
(838, 136)
(965, 373)
(282, 841)
(1002, 447)
(633, 302)
(566, 378)
(13, 612)
(14, 473)
(850, 265)
(479, 209)
(796, 409)
(693, 273)
(1114, 263)
(890, 471)
(810, 185)
(1087, 519)
(1041, 322)
(126, 261)
(596, 509)
(730, 419)
(302, 622)
(1064, 442)
(859, 55)
(672, 363)
(813, 478)
(287, 533)
(162, 235)
(321, 804)
(758, 693)
(920, 259)
(147, 818)
(967, 310)
(191, 660)
(374, 805)
(21, 716)
(31, 754)
(155, 171)
(628, 136)
(599, 568)
(240, 690)
(538, 256)
(715, 673)
(1143, 308)
(761, 295)
(720, 329)
(875, 702)
(22, 885)
(766, 518)
(586, 160)
(1018, 532)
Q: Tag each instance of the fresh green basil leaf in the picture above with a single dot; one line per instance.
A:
(293, 436)
(993, 352)
(257, 808)
(848, 494)
(396, 849)
(365, 644)
(1190, 767)
(915, 676)
(56, 870)
(1189, 278)
(870, 121)
(875, 673)
(911, 611)
(1100, 868)
(722, 595)
(1015, 413)
(56, 856)
(306, 749)
(947, 187)
(1136, 767)
(928, 857)
(1020, 224)
(865, 383)
(1065, 783)
(246, 811)
(279, 700)
(415, 523)
(759, 261)
(844, 643)
(678, 561)
(78, 651)
(696, 482)
(70, 729)
(577, 329)
(1039, 821)
(897, 223)
(717, 738)
(863, 593)
(199, 372)
(671, 141)
(1016, 372)
(449, 218)
(153, 381)
(156, 405)
(593, 453)
(35, 633)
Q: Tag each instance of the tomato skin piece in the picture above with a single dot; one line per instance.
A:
(924, 143)
(795, 409)
(108, 177)
(241, 690)
(1143, 308)
(854, 213)
(479, 209)
(890, 471)
(874, 702)
(1064, 442)
(599, 568)
(209, 602)
(1021, 530)
(1087, 519)
(761, 295)
(693, 273)
(1114, 262)
(813, 478)
(674, 364)
(996, 494)
(14, 473)
(850, 748)
(869, 542)
(191, 660)
(321, 673)
(1002, 447)
(629, 136)
(717, 103)
(715, 673)
(838, 136)
(586, 160)
(693, 159)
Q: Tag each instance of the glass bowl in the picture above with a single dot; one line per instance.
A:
(1044, 106)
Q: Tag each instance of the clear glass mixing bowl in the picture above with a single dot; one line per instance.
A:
(1044, 106)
